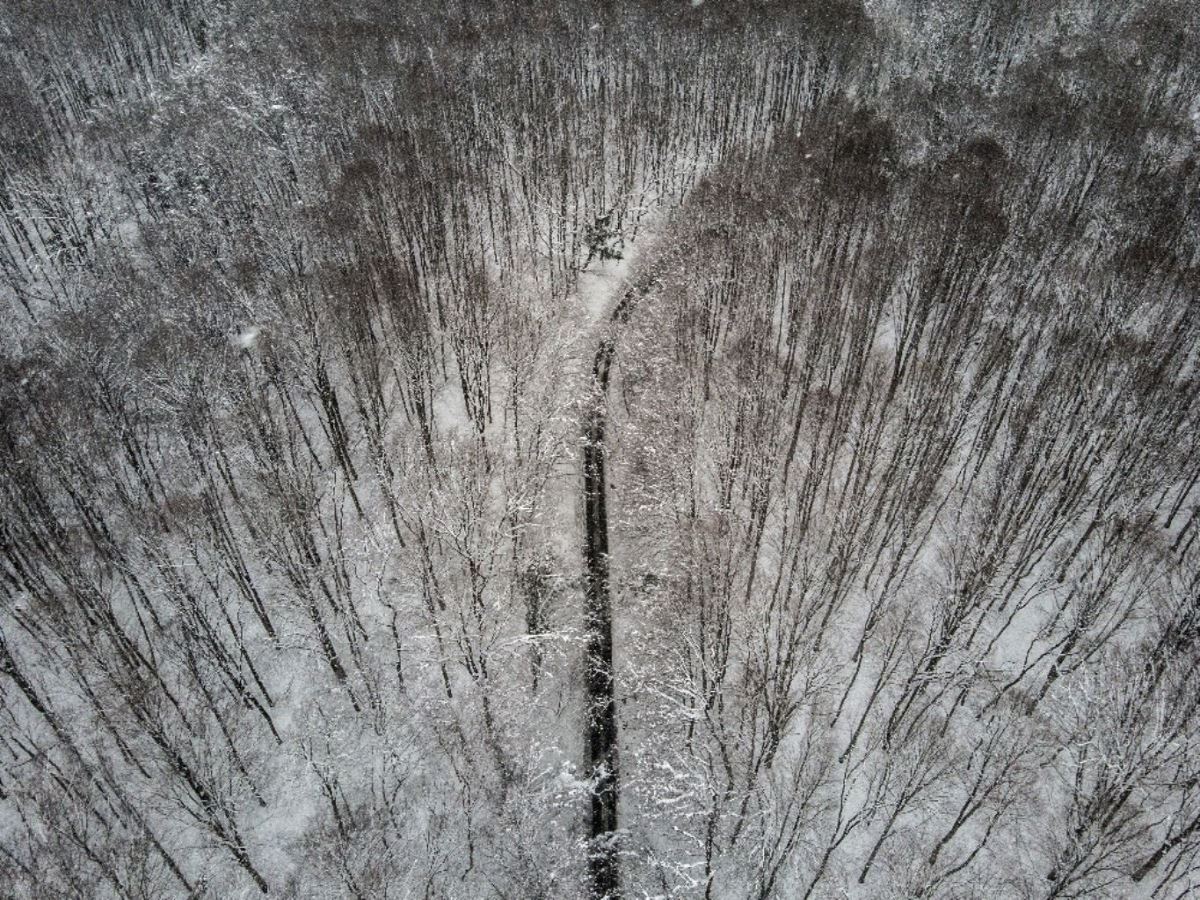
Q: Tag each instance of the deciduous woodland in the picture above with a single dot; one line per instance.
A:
(613, 450)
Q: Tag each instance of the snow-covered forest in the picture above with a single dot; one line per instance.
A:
(497, 449)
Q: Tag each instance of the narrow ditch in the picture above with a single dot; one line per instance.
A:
(603, 771)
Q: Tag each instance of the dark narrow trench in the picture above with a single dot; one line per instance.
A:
(603, 868)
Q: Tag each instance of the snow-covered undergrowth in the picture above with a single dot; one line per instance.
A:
(302, 307)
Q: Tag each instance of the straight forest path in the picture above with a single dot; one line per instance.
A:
(603, 771)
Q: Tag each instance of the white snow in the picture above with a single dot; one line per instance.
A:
(247, 337)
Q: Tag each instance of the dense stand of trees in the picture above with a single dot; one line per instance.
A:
(300, 310)
(927, 423)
